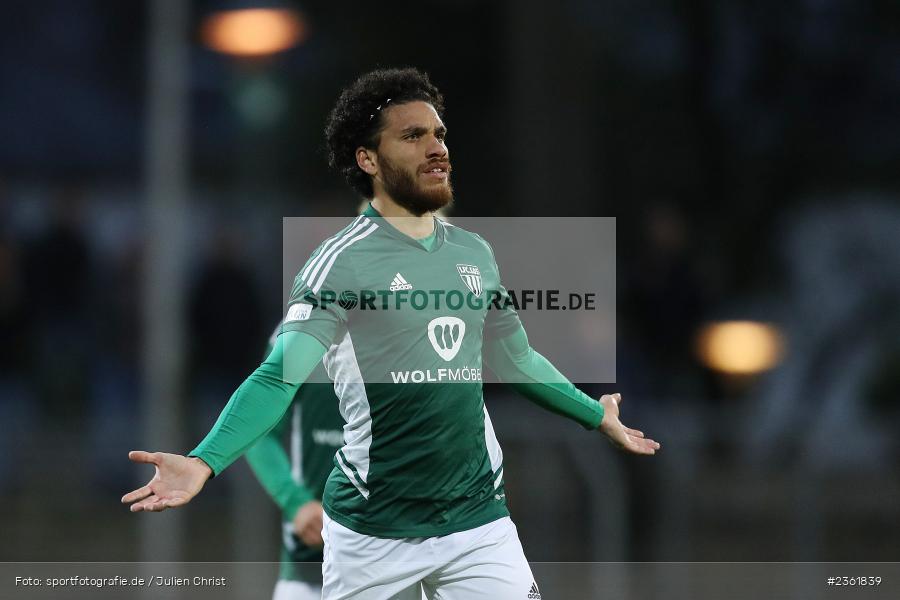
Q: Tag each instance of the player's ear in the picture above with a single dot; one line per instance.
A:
(367, 160)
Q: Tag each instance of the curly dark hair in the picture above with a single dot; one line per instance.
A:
(356, 120)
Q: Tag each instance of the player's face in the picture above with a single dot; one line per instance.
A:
(413, 160)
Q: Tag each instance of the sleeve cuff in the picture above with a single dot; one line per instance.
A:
(594, 423)
(211, 463)
(303, 328)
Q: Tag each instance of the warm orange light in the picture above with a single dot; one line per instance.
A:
(740, 347)
(253, 31)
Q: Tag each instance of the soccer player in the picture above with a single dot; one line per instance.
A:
(296, 483)
(416, 496)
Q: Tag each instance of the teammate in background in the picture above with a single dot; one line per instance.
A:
(296, 483)
(416, 496)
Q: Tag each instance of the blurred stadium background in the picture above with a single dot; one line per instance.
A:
(749, 150)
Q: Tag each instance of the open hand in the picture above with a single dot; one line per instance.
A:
(629, 440)
(177, 480)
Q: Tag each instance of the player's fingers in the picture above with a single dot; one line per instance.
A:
(618, 398)
(143, 504)
(636, 445)
(138, 494)
(142, 456)
(158, 506)
(645, 446)
(634, 432)
(640, 449)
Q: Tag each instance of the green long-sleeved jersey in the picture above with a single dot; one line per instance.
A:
(419, 455)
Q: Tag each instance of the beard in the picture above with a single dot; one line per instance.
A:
(405, 190)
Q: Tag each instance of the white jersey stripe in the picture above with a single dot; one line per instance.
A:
(353, 403)
(318, 285)
(328, 247)
(325, 245)
(340, 242)
(349, 473)
(495, 454)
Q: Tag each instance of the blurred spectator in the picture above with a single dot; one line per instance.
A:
(116, 398)
(13, 316)
(57, 282)
(225, 324)
(15, 405)
(663, 301)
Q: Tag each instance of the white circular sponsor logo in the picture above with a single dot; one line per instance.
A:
(446, 336)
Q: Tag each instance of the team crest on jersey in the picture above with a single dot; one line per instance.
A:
(471, 276)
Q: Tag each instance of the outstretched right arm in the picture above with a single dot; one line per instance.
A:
(256, 407)
(313, 321)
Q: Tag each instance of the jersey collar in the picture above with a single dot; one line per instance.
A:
(439, 230)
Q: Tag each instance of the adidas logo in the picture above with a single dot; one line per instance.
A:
(534, 593)
(400, 284)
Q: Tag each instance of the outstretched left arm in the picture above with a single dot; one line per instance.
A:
(517, 364)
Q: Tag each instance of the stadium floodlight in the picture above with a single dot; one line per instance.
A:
(740, 347)
(255, 31)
